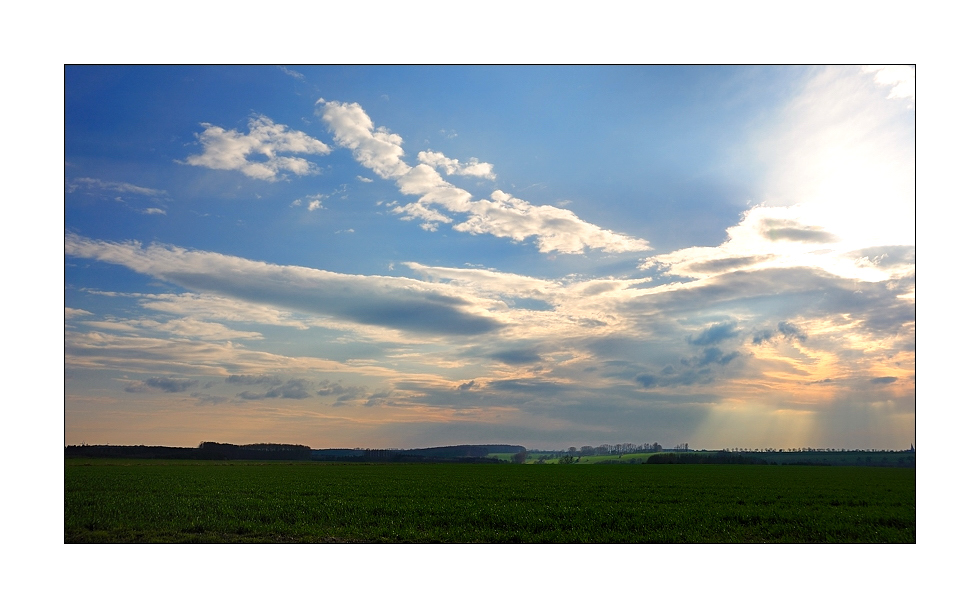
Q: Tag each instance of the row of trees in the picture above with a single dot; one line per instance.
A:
(619, 448)
(781, 450)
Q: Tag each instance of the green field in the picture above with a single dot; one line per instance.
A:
(194, 501)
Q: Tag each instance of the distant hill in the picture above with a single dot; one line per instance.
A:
(210, 450)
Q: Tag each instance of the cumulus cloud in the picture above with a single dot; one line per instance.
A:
(451, 166)
(397, 303)
(552, 228)
(313, 202)
(430, 217)
(374, 148)
(236, 151)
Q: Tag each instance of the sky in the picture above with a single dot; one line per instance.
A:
(405, 257)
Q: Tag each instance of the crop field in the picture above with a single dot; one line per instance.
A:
(196, 501)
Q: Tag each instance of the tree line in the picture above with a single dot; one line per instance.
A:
(207, 450)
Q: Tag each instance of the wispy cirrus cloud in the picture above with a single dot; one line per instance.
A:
(92, 183)
(505, 216)
(291, 73)
(232, 150)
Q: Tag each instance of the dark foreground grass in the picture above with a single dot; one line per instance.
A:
(173, 501)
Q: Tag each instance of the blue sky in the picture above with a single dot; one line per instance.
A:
(551, 256)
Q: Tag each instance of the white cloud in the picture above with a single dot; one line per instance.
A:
(451, 166)
(98, 184)
(429, 217)
(778, 237)
(231, 150)
(366, 180)
(154, 211)
(554, 229)
(901, 79)
(504, 216)
(312, 202)
(376, 149)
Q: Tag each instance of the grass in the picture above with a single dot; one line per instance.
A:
(635, 458)
(181, 501)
